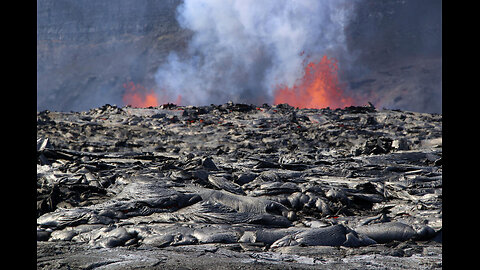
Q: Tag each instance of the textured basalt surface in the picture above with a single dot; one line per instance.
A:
(237, 186)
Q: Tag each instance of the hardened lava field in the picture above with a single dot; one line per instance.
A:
(238, 186)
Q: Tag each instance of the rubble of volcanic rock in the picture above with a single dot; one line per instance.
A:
(273, 185)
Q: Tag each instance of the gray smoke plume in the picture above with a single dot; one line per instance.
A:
(241, 49)
(389, 52)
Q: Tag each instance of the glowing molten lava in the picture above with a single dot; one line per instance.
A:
(319, 88)
(138, 96)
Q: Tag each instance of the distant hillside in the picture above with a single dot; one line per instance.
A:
(87, 49)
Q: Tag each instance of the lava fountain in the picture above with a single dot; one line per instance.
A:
(138, 96)
(318, 88)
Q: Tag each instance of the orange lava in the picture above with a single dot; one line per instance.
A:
(138, 96)
(318, 88)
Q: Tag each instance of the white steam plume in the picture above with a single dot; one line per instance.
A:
(241, 49)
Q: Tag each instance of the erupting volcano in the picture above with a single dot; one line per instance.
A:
(318, 88)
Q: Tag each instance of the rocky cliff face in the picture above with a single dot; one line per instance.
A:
(398, 44)
(87, 49)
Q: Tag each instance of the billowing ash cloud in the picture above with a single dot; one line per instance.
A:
(241, 49)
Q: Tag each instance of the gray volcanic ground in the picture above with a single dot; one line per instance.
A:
(236, 186)
(220, 181)
(389, 52)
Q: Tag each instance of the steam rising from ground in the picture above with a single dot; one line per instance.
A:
(389, 52)
(241, 49)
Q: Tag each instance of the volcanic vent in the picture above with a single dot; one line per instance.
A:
(210, 52)
(319, 87)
